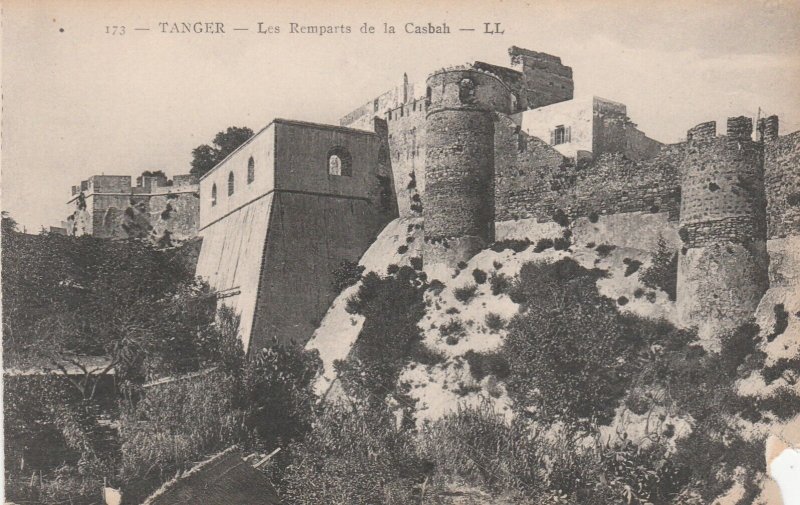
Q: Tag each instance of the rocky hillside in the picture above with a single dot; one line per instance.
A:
(468, 311)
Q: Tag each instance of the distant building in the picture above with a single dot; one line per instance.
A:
(588, 127)
(157, 208)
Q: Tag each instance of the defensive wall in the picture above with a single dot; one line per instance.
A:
(157, 208)
(723, 265)
(273, 238)
(782, 181)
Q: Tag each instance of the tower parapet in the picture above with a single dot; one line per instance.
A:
(722, 272)
(459, 167)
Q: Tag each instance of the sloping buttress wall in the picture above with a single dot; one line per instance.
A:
(232, 256)
(308, 238)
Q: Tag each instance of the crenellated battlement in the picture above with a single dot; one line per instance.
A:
(722, 272)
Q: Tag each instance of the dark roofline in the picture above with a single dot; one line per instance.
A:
(293, 122)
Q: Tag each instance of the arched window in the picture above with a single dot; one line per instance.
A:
(340, 162)
(251, 170)
(213, 195)
(230, 183)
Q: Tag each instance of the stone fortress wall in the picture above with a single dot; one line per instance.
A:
(274, 236)
(156, 208)
(474, 152)
(727, 195)
(722, 269)
(459, 167)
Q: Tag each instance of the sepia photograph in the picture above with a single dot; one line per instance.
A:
(490, 252)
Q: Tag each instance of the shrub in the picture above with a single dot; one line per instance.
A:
(565, 320)
(561, 244)
(560, 217)
(663, 272)
(476, 445)
(461, 265)
(603, 250)
(495, 322)
(452, 310)
(776, 370)
(451, 339)
(638, 293)
(412, 181)
(348, 273)
(632, 266)
(465, 293)
(590, 245)
(402, 249)
(497, 265)
(483, 364)
(515, 245)
(356, 454)
(593, 217)
(392, 306)
(454, 327)
(622, 300)
(436, 286)
(781, 322)
(416, 263)
(500, 283)
(479, 275)
(542, 244)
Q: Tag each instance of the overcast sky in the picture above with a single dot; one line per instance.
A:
(80, 102)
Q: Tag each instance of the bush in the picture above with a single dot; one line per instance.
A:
(603, 250)
(454, 327)
(436, 286)
(465, 293)
(515, 245)
(663, 272)
(474, 444)
(632, 266)
(348, 273)
(561, 244)
(497, 265)
(565, 320)
(593, 217)
(622, 300)
(781, 322)
(461, 265)
(356, 454)
(402, 249)
(543, 244)
(479, 275)
(560, 217)
(416, 263)
(500, 283)
(495, 322)
(452, 310)
(638, 293)
(392, 306)
(483, 364)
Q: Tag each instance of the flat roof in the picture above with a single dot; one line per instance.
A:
(293, 122)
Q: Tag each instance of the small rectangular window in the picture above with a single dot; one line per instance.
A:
(561, 135)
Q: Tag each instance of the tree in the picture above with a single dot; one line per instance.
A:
(205, 157)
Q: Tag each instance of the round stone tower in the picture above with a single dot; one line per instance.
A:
(722, 268)
(459, 168)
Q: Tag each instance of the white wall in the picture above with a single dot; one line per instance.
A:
(262, 148)
(576, 114)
